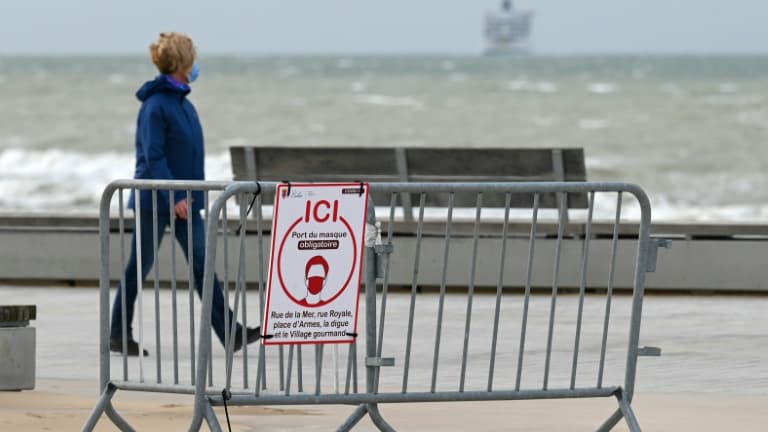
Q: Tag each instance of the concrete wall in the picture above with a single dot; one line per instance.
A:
(700, 259)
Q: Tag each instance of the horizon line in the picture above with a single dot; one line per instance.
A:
(532, 53)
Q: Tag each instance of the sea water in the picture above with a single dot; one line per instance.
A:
(691, 130)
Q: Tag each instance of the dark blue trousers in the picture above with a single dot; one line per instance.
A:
(147, 259)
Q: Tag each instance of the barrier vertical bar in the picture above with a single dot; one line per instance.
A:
(202, 405)
(499, 286)
(299, 369)
(191, 281)
(104, 288)
(139, 282)
(229, 336)
(232, 326)
(210, 328)
(155, 249)
(582, 287)
(471, 289)
(104, 405)
(242, 286)
(261, 375)
(527, 294)
(123, 307)
(441, 305)
(384, 288)
(609, 291)
(318, 367)
(174, 298)
(370, 341)
(414, 287)
(281, 366)
(287, 387)
(555, 282)
(638, 292)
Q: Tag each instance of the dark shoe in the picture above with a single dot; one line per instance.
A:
(251, 335)
(116, 345)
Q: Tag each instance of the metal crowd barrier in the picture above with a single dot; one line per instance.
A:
(427, 342)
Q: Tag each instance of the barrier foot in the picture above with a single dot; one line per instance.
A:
(104, 405)
(210, 418)
(378, 420)
(376, 417)
(353, 419)
(612, 421)
(629, 415)
(117, 419)
(204, 411)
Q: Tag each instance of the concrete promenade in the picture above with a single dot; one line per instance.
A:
(713, 257)
(712, 376)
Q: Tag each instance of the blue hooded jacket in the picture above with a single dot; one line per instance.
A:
(169, 141)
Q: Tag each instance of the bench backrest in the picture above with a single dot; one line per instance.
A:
(382, 164)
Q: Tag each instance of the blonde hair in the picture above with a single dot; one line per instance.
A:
(173, 52)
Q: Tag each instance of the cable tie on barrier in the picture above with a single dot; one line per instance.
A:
(267, 336)
(354, 335)
(250, 206)
(287, 182)
(362, 188)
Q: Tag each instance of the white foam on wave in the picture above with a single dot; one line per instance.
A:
(522, 85)
(755, 118)
(745, 213)
(65, 181)
(389, 101)
(358, 86)
(672, 89)
(603, 88)
(54, 180)
(728, 87)
(665, 210)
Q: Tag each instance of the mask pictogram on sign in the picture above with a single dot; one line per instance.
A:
(315, 274)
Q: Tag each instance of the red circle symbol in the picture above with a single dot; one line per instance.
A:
(303, 302)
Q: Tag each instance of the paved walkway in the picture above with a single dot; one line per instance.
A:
(712, 376)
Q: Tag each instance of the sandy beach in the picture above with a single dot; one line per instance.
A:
(692, 387)
(61, 405)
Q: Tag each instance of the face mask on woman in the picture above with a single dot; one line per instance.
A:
(194, 74)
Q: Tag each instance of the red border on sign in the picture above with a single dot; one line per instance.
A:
(269, 280)
(346, 282)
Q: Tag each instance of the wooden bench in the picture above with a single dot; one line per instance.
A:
(382, 164)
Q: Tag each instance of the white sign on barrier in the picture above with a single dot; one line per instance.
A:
(315, 263)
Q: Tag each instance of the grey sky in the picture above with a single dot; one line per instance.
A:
(380, 26)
